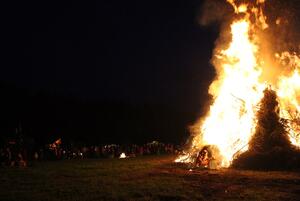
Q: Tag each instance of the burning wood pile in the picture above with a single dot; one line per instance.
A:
(269, 147)
(254, 119)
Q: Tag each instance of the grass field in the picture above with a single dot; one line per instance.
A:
(144, 178)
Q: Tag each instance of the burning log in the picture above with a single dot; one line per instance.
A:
(269, 147)
(203, 158)
(208, 157)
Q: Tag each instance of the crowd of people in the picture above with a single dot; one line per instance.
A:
(110, 151)
(14, 155)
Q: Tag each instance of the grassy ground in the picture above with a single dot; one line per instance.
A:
(145, 178)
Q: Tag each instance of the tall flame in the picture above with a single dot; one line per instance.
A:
(237, 90)
(289, 98)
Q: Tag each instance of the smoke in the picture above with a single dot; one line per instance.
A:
(214, 11)
(281, 35)
(283, 16)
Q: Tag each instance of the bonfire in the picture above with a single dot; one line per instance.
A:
(255, 112)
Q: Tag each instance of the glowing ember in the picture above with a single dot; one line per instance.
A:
(239, 86)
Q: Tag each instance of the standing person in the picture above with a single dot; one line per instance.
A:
(8, 156)
(2, 157)
(21, 161)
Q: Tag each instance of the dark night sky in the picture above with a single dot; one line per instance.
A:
(130, 52)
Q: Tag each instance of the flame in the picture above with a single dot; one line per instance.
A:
(238, 88)
(242, 8)
(230, 122)
(288, 90)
